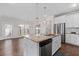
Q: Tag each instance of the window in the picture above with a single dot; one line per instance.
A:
(7, 30)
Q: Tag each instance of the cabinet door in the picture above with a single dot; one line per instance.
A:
(72, 39)
(75, 39)
(29, 47)
(59, 41)
(75, 20)
(69, 21)
(56, 44)
(32, 48)
(68, 38)
(72, 20)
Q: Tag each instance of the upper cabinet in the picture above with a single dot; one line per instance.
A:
(68, 19)
(75, 20)
(71, 20)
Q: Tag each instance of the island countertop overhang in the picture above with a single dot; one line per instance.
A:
(41, 38)
(34, 38)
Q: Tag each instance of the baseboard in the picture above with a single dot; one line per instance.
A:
(71, 44)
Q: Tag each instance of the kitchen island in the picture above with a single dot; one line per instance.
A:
(41, 45)
(29, 46)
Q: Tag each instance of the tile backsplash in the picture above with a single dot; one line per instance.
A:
(73, 29)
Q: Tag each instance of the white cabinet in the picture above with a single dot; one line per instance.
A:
(68, 19)
(71, 20)
(68, 38)
(75, 20)
(56, 44)
(75, 39)
(32, 48)
(29, 47)
(72, 39)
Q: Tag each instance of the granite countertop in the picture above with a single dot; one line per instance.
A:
(41, 38)
(36, 39)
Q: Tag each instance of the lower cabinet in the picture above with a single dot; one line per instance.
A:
(68, 38)
(29, 47)
(56, 44)
(72, 39)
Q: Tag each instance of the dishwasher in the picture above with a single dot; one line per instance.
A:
(45, 48)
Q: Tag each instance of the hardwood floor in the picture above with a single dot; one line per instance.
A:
(16, 49)
(13, 48)
(10, 47)
(70, 50)
(1, 48)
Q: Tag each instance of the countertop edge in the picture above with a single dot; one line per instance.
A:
(20, 37)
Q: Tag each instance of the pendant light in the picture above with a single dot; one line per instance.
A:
(45, 10)
(37, 11)
(37, 27)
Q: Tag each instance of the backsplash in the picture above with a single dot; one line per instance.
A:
(73, 29)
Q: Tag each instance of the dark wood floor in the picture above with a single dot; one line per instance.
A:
(13, 48)
(10, 48)
(69, 50)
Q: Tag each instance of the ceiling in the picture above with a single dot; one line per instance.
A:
(29, 11)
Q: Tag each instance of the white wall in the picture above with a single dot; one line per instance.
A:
(71, 20)
(60, 19)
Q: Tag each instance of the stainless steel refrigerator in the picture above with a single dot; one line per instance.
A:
(60, 29)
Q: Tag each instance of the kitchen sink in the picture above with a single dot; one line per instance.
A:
(50, 35)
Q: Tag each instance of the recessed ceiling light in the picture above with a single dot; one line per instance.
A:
(74, 5)
(12, 3)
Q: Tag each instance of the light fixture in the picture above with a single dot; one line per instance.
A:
(74, 5)
(45, 12)
(21, 25)
(12, 3)
(26, 36)
(37, 11)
